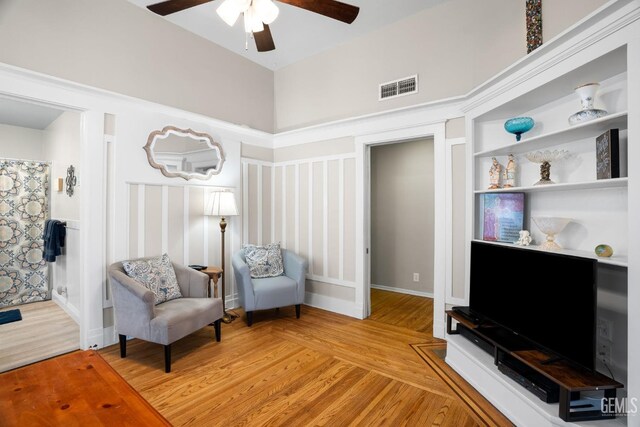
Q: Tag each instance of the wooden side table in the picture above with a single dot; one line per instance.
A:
(214, 274)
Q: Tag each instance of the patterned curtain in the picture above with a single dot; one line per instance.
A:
(24, 189)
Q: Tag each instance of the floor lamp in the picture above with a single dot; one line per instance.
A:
(222, 204)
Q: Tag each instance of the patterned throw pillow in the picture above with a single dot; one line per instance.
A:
(155, 274)
(264, 261)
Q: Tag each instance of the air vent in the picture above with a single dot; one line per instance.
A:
(405, 86)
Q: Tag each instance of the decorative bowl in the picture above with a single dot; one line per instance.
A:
(519, 125)
(604, 251)
(551, 226)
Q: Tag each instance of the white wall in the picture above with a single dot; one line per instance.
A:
(20, 143)
(402, 222)
(115, 45)
(61, 147)
(452, 46)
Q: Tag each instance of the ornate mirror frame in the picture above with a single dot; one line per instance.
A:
(165, 132)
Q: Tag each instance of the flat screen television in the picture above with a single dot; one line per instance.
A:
(545, 297)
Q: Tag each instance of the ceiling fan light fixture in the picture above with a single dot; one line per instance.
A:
(252, 21)
(266, 10)
(229, 11)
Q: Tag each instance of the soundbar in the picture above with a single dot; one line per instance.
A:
(477, 340)
(543, 388)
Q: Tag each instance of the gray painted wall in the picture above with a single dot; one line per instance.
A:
(452, 46)
(115, 45)
(402, 222)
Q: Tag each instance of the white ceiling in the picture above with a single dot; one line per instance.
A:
(297, 33)
(26, 114)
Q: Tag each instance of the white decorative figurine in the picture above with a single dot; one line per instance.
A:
(525, 238)
(509, 173)
(494, 174)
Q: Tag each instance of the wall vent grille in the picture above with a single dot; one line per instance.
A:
(400, 87)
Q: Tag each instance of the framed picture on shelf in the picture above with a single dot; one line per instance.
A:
(502, 216)
(608, 155)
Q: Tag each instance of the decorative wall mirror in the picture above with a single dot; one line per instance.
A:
(184, 153)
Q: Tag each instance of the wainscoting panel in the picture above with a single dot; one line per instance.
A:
(318, 255)
(348, 233)
(152, 219)
(175, 224)
(170, 219)
(309, 204)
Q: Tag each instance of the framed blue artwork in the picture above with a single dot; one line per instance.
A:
(502, 216)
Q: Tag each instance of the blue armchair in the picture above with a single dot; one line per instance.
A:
(270, 292)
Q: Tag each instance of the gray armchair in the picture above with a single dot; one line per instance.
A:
(270, 292)
(137, 315)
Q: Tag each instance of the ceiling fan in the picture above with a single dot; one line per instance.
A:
(258, 14)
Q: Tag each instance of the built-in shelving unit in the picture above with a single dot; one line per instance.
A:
(597, 207)
(542, 86)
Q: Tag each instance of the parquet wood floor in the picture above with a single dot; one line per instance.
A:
(321, 369)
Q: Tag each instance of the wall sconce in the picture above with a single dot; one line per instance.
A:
(71, 180)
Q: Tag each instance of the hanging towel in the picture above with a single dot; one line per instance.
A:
(54, 234)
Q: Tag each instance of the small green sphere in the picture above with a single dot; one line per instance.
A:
(604, 250)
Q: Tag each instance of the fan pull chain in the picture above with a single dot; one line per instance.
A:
(246, 41)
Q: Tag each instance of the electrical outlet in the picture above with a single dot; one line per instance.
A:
(416, 277)
(605, 328)
(604, 353)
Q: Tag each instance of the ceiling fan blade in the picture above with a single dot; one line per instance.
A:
(172, 6)
(264, 40)
(331, 8)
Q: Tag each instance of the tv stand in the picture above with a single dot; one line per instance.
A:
(551, 360)
(571, 380)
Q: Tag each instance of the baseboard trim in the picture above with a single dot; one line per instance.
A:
(63, 304)
(403, 291)
(336, 305)
(232, 301)
(95, 339)
(109, 336)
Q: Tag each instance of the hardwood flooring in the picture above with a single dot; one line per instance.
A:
(44, 331)
(322, 369)
(398, 309)
(77, 389)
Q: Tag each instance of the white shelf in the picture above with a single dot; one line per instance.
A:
(569, 186)
(588, 129)
(617, 260)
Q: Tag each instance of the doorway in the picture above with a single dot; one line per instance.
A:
(40, 295)
(402, 227)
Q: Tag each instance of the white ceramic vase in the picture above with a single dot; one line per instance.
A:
(587, 94)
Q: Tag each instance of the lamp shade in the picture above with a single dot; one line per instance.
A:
(221, 203)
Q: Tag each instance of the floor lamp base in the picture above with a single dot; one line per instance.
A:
(228, 317)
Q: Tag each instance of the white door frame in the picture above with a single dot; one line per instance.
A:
(363, 232)
(19, 84)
